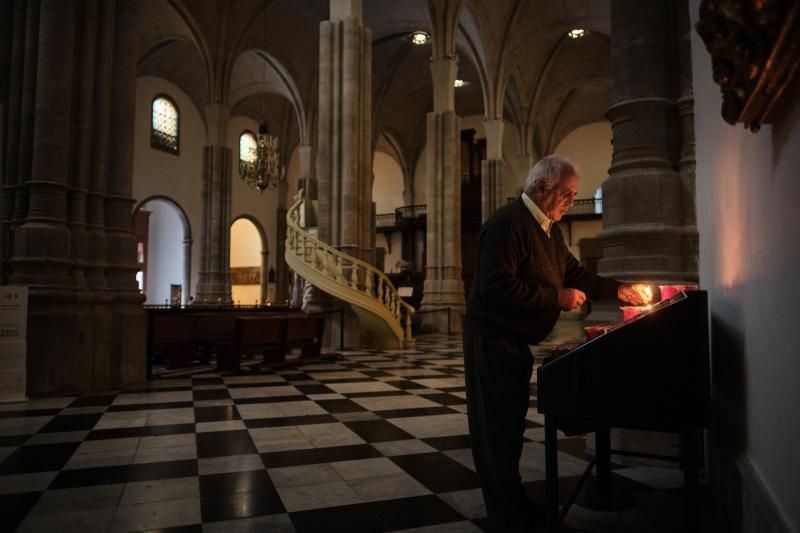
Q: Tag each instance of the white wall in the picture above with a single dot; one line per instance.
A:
(749, 222)
(387, 187)
(164, 251)
(590, 147)
(177, 177)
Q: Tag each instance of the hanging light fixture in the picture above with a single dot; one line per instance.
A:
(266, 171)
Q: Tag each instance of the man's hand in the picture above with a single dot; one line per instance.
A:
(569, 299)
(635, 293)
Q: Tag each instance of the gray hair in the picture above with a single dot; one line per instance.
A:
(550, 169)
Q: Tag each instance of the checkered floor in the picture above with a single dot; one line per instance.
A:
(373, 441)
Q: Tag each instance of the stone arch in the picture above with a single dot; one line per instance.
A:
(264, 252)
(186, 277)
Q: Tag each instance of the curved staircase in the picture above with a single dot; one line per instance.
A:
(366, 289)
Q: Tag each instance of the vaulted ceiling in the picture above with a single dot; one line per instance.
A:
(514, 55)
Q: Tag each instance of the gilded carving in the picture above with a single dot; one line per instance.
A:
(754, 54)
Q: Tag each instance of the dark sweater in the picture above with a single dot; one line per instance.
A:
(518, 273)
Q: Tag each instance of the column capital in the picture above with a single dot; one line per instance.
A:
(443, 72)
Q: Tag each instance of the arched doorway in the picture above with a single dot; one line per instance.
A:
(248, 263)
(164, 249)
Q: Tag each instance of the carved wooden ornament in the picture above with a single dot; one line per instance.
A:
(754, 47)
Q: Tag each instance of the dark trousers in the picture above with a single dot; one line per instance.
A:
(498, 373)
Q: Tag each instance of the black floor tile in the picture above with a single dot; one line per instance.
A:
(157, 389)
(207, 381)
(238, 495)
(124, 474)
(196, 528)
(27, 413)
(38, 458)
(95, 400)
(271, 399)
(217, 413)
(421, 411)
(289, 421)
(257, 384)
(530, 424)
(149, 406)
(445, 399)
(345, 519)
(318, 455)
(438, 472)
(223, 443)
(143, 431)
(211, 394)
(15, 507)
(340, 406)
(456, 442)
(377, 430)
(80, 422)
(376, 394)
(575, 446)
(314, 389)
(296, 377)
(407, 513)
(13, 440)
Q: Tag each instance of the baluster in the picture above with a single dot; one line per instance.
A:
(353, 276)
(368, 283)
(379, 290)
(408, 324)
(339, 270)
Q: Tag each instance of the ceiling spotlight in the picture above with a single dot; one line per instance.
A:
(576, 33)
(459, 83)
(420, 37)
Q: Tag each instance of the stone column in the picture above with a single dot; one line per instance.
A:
(281, 268)
(213, 284)
(645, 199)
(443, 284)
(41, 254)
(649, 231)
(492, 168)
(344, 150)
(128, 320)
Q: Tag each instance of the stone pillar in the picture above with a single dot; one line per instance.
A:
(646, 216)
(41, 254)
(649, 230)
(264, 288)
(492, 168)
(443, 284)
(187, 271)
(213, 284)
(344, 145)
(128, 321)
(281, 268)
(344, 149)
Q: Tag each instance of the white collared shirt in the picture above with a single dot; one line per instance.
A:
(538, 214)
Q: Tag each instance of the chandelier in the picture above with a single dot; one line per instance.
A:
(265, 171)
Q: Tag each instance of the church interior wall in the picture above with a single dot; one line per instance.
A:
(387, 187)
(246, 200)
(749, 224)
(157, 173)
(164, 251)
(590, 148)
(245, 252)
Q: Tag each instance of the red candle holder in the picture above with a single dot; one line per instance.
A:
(594, 331)
(668, 291)
(630, 311)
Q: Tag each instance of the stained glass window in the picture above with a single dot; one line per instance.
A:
(164, 127)
(248, 147)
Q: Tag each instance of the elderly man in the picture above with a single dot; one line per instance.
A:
(524, 277)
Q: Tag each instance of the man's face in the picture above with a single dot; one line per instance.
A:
(560, 198)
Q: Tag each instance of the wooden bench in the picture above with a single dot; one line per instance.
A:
(183, 335)
(254, 334)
